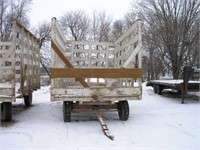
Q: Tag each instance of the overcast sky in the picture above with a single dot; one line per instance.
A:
(46, 9)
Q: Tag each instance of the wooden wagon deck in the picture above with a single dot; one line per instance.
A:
(98, 74)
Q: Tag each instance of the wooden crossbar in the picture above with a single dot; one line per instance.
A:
(95, 73)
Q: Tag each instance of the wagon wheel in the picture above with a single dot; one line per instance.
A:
(159, 89)
(67, 108)
(28, 99)
(6, 111)
(123, 110)
(155, 88)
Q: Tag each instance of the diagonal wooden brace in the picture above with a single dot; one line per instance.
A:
(132, 55)
(67, 62)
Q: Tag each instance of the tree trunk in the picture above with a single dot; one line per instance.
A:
(45, 68)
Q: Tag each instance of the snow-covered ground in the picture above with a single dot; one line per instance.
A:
(158, 122)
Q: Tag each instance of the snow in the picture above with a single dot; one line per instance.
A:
(157, 122)
(173, 81)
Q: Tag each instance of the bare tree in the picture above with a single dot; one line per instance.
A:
(43, 32)
(76, 25)
(100, 29)
(118, 28)
(12, 10)
(174, 26)
(94, 29)
(129, 19)
(105, 27)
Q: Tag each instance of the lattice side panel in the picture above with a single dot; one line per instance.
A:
(128, 53)
(6, 62)
(7, 71)
(88, 54)
(27, 71)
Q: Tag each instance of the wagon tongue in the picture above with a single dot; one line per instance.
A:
(103, 125)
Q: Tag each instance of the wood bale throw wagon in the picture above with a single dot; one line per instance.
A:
(96, 75)
(19, 68)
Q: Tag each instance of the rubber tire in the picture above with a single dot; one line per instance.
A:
(67, 108)
(28, 99)
(123, 110)
(159, 89)
(155, 88)
(6, 111)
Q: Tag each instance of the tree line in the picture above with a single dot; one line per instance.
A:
(170, 31)
(171, 36)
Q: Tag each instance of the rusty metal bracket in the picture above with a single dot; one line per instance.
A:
(103, 125)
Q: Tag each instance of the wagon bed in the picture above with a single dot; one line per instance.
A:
(181, 85)
(96, 75)
(19, 68)
(175, 84)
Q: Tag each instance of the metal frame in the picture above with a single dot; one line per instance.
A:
(183, 85)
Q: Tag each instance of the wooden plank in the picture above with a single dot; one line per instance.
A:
(6, 92)
(127, 62)
(57, 32)
(103, 125)
(98, 91)
(93, 43)
(128, 32)
(91, 101)
(127, 43)
(95, 73)
(103, 94)
(67, 62)
(132, 55)
(26, 30)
